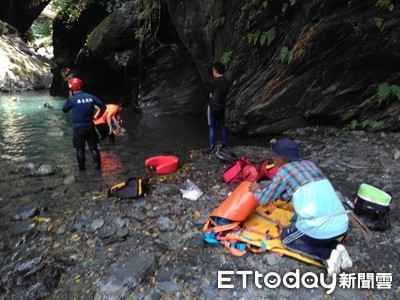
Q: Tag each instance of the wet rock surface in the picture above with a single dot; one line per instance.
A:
(85, 245)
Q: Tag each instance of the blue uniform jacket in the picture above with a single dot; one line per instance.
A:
(82, 105)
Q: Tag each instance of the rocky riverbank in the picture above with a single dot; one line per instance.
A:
(62, 237)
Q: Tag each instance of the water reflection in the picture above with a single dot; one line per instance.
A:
(111, 165)
(31, 133)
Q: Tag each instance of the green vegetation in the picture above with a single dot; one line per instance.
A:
(252, 37)
(42, 27)
(149, 18)
(268, 36)
(286, 55)
(385, 90)
(378, 22)
(285, 5)
(384, 4)
(354, 124)
(265, 4)
(70, 10)
(226, 57)
(219, 22)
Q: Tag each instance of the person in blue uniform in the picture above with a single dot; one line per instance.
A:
(83, 108)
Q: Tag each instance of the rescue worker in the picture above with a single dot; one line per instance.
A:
(83, 108)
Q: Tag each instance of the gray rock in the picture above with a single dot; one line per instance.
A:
(396, 154)
(165, 224)
(96, 224)
(124, 276)
(21, 227)
(122, 232)
(137, 215)
(153, 295)
(28, 264)
(119, 223)
(169, 287)
(27, 212)
(272, 259)
(44, 170)
(106, 232)
(153, 213)
(69, 179)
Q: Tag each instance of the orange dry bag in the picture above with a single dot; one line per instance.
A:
(239, 205)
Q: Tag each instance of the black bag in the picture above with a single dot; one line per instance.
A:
(226, 155)
(374, 216)
(376, 223)
(132, 188)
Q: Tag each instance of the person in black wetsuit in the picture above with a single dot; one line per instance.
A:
(82, 105)
(216, 107)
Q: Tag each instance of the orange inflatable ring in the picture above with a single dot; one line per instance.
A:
(163, 164)
(239, 205)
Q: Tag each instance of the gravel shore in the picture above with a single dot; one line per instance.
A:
(61, 237)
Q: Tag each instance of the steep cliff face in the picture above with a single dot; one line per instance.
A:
(160, 76)
(21, 13)
(336, 56)
(290, 63)
(68, 39)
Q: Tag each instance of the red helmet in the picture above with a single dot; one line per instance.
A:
(75, 84)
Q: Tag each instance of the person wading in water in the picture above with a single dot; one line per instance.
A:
(83, 108)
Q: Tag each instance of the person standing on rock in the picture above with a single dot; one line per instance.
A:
(83, 108)
(216, 107)
(321, 216)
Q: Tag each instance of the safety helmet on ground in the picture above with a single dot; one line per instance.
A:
(75, 84)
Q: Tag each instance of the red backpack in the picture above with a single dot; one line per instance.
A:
(242, 169)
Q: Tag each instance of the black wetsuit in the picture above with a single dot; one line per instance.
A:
(82, 105)
(216, 109)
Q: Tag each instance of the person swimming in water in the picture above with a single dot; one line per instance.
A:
(48, 106)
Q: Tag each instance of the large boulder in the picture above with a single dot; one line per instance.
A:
(20, 69)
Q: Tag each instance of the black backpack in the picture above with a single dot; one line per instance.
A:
(132, 188)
